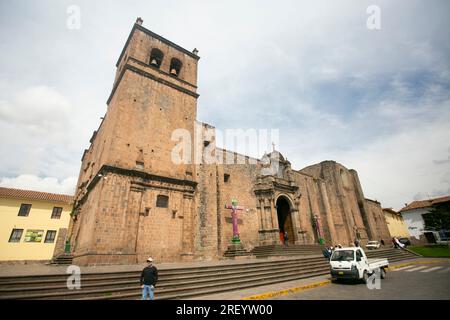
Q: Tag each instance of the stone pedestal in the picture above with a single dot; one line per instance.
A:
(236, 250)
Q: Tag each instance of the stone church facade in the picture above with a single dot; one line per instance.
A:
(132, 201)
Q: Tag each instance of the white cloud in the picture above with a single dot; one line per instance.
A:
(407, 162)
(311, 69)
(47, 184)
(37, 107)
(39, 136)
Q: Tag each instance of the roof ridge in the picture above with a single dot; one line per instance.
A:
(417, 204)
(6, 192)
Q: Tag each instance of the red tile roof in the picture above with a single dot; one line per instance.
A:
(424, 203)
(392, 211)
(34, 195)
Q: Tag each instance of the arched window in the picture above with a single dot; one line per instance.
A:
(175, 67)
(156, 58)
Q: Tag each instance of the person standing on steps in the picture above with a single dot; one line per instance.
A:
(149, 277)
(286, 239)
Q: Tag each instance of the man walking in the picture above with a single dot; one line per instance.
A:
(149, 277)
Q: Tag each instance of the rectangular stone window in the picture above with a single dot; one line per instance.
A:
(24, 210)
(226, 177)
(162, 201)
(50, 236)
(56, 213)
(16, 235)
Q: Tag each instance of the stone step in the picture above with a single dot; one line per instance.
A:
(63, 259)
(280, 250)
(163, 281)
(243, 265)
(176, 288)
(179, 282)
(223, 288)
(168, 274)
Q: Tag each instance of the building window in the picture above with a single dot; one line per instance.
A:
(34, 235)
(56, 213)
(162, 201)
(24, 210)
(175, 67)
(226, 177)
(16, 234)
(156, 58)
(50, 236)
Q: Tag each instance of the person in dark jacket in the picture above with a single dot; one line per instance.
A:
(326, 253)
(286, 239)
(149, 277)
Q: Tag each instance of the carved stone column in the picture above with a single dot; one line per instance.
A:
(187, 252)
(329, 214)
(134, 213)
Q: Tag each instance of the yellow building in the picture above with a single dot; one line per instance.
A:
(31, 222)
(396, 225)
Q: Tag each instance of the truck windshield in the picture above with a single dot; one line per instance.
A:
(343, 255)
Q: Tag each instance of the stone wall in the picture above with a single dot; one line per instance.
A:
(382, 231)
(338, 197)
(60, 242)
(239, 185)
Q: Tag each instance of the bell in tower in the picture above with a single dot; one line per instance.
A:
(175, 67)
(156, 58)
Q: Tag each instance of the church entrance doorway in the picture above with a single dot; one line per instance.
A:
(285, 220)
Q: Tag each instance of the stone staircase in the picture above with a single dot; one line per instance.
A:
(178, 283)
(292, 250)
(62, 259)
(393, 255)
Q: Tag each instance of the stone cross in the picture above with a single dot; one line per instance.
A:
(234, 208)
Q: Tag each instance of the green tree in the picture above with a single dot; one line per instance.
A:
(438, 217)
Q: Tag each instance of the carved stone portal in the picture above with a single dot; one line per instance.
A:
(277, 195)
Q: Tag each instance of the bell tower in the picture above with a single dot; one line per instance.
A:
(132, 199)
(154, 93)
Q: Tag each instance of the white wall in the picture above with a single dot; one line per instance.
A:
(414, 221)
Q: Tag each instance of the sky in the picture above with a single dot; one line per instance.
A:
(377, 101)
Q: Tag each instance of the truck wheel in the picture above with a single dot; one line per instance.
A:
(365, 277)
(383, 273)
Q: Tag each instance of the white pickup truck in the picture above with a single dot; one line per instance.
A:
(352, 263)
